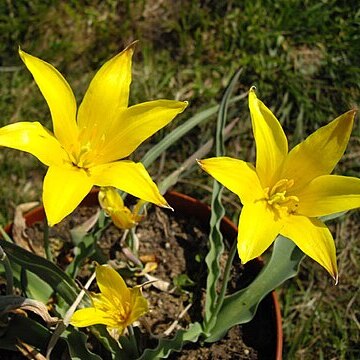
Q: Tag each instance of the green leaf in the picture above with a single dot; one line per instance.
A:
(60, 282)
(166, 346)
(84, 248)
(76, 341)
(182, 281)
(241, 306)
(108, 342)
(35, 287)
(38, 336)
(217, 212)
(30, 332)
(332, 216)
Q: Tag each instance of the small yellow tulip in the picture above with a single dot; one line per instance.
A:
(113, 205)
(116, 306)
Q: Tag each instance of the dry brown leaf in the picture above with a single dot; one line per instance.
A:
(29, 351)
(18, 230)
(159, 284)
(16, 303)
(82, 229)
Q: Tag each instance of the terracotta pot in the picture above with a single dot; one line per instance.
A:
(264, 332)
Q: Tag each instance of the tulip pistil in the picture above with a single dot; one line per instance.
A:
(279, 200)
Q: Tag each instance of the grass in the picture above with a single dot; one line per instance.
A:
(302, 56)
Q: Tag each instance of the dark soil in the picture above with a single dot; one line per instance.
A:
(178, 246)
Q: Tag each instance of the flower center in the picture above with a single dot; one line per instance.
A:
(279, 200)
(89, 148)
(122, 312)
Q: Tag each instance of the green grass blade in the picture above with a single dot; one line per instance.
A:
(180, 131)
(62, 284)
(241, 307)
(173, 178)
(216, 244)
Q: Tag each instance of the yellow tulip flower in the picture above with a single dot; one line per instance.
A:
(287, 191)
(87, 143)
(116, 306)
(113, 205)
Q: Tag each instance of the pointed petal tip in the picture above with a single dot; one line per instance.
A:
(182, 105)
(252, 89)
(353, 112)
(185, 104)
(243, 254)
(336, 278)
(22, 54)
(243, 262)
(167, 206)
(199, 161)
(131, 47)
(51, 221)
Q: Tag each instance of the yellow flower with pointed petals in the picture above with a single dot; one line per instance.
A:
(287, 191)
(87, 144)
(113, 205)
(116, 306)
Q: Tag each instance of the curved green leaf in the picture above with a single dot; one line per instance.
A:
(241, 306)
(76, 341)
(61, 283)
(166, 346)
(217, 212)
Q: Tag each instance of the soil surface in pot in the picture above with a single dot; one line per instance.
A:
(173, 249)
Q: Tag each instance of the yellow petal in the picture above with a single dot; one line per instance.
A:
(130, 177)
(329, 194)
(107, 94)
(64, 188)
(34, 139)
(139, 305)
(314, 239)
(237, 175)
(123, 218)
(319, 153)
(271, 142)
(92, 316)
(113, 204)
(110, 199)
(58, 96)
(136, 124)
(112, 285)
(258, 228)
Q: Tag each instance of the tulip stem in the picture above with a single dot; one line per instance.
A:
(8, 272)
(133, 341)
(46, 241)
(209, 325)
(225, 281)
